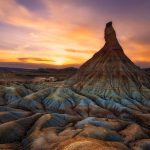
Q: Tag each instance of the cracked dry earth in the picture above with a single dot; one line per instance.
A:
(102, 107)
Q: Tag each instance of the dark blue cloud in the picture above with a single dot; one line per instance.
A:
(35, 6)
(127, 9)
(134, 10)
(31, 4)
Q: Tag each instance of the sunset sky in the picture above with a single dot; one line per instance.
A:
(62, 33)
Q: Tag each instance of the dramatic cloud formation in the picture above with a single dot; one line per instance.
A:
(59, 33)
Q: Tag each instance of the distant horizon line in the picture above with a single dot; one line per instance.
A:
(38, 68)
(57, 68)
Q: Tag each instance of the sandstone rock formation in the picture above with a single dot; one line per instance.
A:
(111, 74)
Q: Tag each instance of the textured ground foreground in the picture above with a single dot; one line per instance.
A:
(105, 106)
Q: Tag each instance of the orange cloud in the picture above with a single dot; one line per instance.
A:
(80, 51)
(34, 59)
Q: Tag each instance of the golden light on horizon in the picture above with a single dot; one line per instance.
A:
(64, 33)
(59, 61)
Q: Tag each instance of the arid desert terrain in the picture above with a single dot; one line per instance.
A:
(105, 105)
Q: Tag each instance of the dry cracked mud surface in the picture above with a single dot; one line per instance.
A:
(105, 106)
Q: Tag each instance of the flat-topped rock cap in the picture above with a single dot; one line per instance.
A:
(109, 24)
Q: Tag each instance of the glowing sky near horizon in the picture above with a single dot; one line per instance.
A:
(62, 33)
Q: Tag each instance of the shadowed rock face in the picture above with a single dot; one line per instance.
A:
(105, 106)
